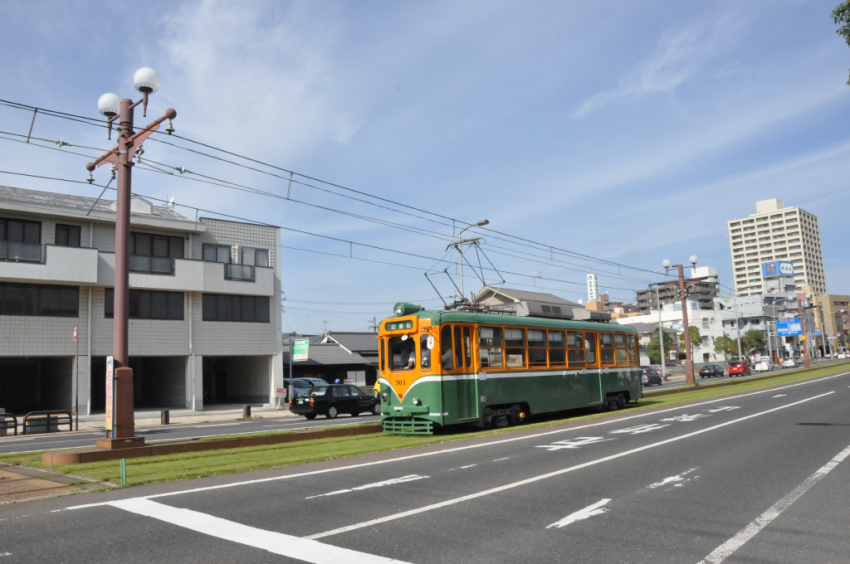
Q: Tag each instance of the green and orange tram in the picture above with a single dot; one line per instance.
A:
(474, 366)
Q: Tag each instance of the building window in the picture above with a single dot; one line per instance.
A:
(255, 257)
(20, 240)
(154, 253)
(67, 235)
(216, 253)
(146, 304)
(220, 307)
(39, 300)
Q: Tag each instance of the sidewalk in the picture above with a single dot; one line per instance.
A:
(152, 417)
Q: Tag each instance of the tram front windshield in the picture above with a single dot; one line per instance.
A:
(402, 353)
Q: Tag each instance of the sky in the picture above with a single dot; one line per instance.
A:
(629, 132)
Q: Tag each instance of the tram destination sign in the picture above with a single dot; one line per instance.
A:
(399, 325)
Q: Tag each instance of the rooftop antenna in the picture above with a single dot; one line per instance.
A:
(326, 325)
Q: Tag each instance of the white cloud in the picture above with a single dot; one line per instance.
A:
(678, 57)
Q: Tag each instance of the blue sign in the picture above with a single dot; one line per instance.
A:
(788, 327)
(817, 333)
(772, 269)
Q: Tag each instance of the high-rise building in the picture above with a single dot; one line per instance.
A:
(775, 233)
(703, 292)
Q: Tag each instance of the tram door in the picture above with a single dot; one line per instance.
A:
(460, 384)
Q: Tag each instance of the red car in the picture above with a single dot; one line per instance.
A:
(738, 368)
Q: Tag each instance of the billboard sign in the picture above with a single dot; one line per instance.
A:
(772, 269)
(788, 327)
(300, 350)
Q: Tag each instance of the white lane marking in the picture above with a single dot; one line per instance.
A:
(551, 474)
(501, 459)
(779, 396)
(216, 425)
(276, 543)
(6, 554)
(577, 442)
(725, 408)
(465, 467)
(582, 514)
(449, 450)
(686, 417)
(726, 549)
(638, 429)
(411, 478)
(678, 480)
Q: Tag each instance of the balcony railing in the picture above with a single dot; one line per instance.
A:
(239, 272)
(22, 252)
(151, 265)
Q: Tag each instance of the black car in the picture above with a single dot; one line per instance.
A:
(332, 399)
(299, 386)
(650, 376)
(710, 370)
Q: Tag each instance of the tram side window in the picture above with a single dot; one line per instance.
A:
(590, 348)
(446, 347)
(424, 353)
(383, 355)
(575, 342)
(557, 348)
(536, 348)
(633, 350)
(515, 356)
(620, 343)
(402, 353)
(606, 348)
(490, 346)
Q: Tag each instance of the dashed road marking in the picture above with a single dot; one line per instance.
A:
(465, 467)
(779, 396)
(501, 459)
(582, 514)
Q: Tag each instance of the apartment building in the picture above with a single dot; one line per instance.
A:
(775, 233)
(205, 321)
(703, 292)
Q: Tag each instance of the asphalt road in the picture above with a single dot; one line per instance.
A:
(757, 477)
(679, 383)
(31, 443)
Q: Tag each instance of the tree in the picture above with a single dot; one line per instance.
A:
(753, 341)
(841, 16)
(696, 339)
(725, 345)
(653, 351)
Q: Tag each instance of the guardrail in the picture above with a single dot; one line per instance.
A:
(4, 422)
(44, 421)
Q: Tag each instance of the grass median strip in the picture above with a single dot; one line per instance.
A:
(209, 463)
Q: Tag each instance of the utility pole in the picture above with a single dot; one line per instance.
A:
(690, 380)
(801, 314)
(374, 325)
(145, 81)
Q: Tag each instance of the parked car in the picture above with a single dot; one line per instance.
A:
(658, 368)
(709, 370)
(738, 368)
(798, 360)
(842, 355)
(649, 376)
(789, 363)
(332, 399)
(764, 364)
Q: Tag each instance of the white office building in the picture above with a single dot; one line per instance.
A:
(775, 233)
(205, 321)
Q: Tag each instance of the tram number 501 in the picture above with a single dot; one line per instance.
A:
(401, 383)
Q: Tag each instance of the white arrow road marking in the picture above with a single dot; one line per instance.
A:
(578, 442)
(779, 396)
(638, 429)
(672, 480)
(401, 480)
(586, 513)
(725, 408)
(686, 417)
(726, 549)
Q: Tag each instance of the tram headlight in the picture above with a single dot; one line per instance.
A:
(384, 396)
(417, 401)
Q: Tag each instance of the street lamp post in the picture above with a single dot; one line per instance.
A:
(146, 81)
(660, 329)
(690, 380)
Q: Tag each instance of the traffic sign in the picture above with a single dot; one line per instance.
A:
(300, 350)
(788, 327)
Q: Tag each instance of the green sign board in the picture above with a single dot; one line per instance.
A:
(300, 350)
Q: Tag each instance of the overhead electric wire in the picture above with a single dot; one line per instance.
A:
(541, 246)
